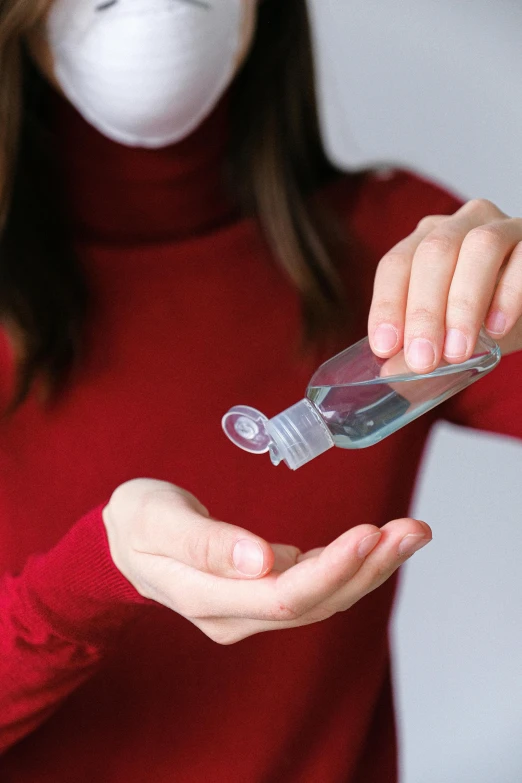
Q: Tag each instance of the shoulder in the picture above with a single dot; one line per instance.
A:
(385, 205)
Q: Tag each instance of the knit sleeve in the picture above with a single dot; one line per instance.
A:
(493, 403)
(58, 618)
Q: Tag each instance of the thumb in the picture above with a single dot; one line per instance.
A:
(180, 528)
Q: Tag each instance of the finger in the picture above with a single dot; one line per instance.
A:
(311, 553)
(400, 539)
(432, 271)
(481, 256)
(175, 525)
(390, 291)
(513, 341)
(285, 556)
(346, 566)
(506, 308)
(275, 597)
(315, 578)
(433, 268)
(390, 300)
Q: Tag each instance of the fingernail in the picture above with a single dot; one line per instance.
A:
(385, 337)
(496, 323)
(248, 557)
(421, 354)
(412, 543)
(456, 343)
(368, 543)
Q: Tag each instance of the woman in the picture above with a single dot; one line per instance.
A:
(141, 297)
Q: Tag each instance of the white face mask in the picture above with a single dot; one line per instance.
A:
(145, 73)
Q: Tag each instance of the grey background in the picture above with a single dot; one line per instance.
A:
(436, 86)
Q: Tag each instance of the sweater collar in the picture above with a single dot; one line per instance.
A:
(132, 195)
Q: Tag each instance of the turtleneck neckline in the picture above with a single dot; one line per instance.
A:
(120, 194)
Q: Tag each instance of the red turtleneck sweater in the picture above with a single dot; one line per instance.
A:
(193, 315)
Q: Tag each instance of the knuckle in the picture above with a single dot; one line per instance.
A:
(462, 304)
(207, 550)
(485, 238)
(383, 310)
(511, 294)
(394, 260)
(480, 206)
(437, 243)
(429, 222)
(380, 573)
(197, 550)
(421, 316)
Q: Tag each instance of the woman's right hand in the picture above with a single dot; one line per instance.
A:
(229, 582)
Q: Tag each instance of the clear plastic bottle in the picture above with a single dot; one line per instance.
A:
(352, 401)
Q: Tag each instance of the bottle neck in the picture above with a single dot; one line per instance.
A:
(298, 435)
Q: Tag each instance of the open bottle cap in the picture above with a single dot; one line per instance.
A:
(246, 428)
(295, 436)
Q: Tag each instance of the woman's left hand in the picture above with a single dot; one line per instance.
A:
(435, 289)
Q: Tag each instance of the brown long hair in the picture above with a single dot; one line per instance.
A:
(276, 157)
(15, 20)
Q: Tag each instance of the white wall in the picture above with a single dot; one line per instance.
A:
(457, 635)
(436, 85)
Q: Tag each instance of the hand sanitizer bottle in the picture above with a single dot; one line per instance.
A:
(354, 400)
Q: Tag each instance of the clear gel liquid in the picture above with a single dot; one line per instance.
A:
(363, 413)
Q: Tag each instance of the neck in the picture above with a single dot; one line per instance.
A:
(126, 194)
